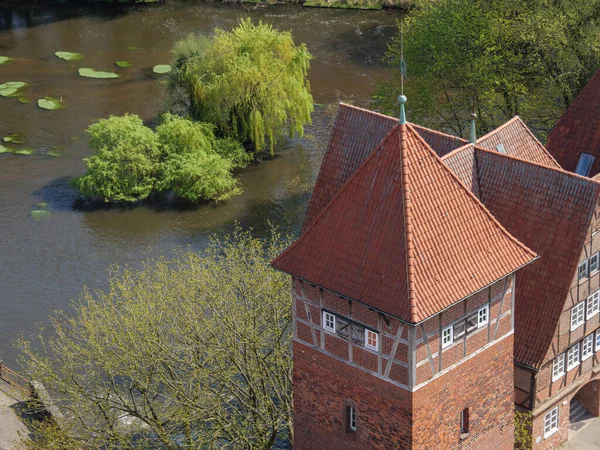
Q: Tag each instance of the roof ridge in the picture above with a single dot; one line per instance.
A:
(375, 113)
(477, 201)
(408, 234)
(537, 140)
(543, 166)
(494, 131)
(339, 192)
(458, 138)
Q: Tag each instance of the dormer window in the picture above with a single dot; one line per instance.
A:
(584, 166)
(500, 148)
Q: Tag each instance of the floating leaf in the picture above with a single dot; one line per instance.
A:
(69, 56)
(54, 152)
(24, 100)
(12, 88)
(50, 103)
(162, 68)
(42, 205)
(123, 64)
(91, 73)
(39, 214)
(6, 60)
(132, 48)
(14, 139)
(4, 149)
(24, 151)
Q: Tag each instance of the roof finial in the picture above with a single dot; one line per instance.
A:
(402, 98)
(473, 135)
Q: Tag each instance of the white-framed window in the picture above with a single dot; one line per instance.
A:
(594, 263)
(558, 367)
(352, 418)
(483, 315)
(582, 271)
(597, 340)
(593, 305)
(551, 422)
(573, 357)
(587, 348)
(371, 339)
(447, 337)
(328, 321)
(577, 315)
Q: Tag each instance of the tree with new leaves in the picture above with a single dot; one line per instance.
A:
(499, 58)
(190, 352)
(249, 82)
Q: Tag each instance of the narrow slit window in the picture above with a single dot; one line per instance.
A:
(351, 418)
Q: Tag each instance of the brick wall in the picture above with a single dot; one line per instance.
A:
(484, 384)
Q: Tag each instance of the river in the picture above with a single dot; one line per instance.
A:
(46, 263)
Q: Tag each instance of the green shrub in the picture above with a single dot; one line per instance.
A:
(249, 82)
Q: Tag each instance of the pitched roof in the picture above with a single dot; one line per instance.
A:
(549, 210)
(403, 235)
(462, 163)
(518, 141)
(356, 132)
(578, 131)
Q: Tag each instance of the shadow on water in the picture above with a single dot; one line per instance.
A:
(363, 43)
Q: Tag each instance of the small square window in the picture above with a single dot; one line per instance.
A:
(328, 321)
(551, 422)
(587, 348)
(483, 316)
(582, 272)
(593, 305)
(558, 367)
(447, 337)
(351, 418)
(372, 340)
(573, 357)
(577, 315)
(594, 263)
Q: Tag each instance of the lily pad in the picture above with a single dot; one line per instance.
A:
(162, 68)
(39, 214)
(69, 56)
(6, 60)
(4, 149)
(14, 139)
(24, 100)
(50, 103)
(42, 205)
(24, 151)
(54, 152)
(123, 64)
(12, 88)
(91, 73)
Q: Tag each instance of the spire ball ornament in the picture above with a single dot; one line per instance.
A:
(402, 100)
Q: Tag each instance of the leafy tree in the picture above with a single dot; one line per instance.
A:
(192, 352)
(249, 82)
(499, 57)
(131, 161)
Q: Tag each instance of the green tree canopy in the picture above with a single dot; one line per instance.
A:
(190, 352)
(499, 57)
(130, 161)
(249, 82)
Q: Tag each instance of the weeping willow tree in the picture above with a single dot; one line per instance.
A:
(249, 82)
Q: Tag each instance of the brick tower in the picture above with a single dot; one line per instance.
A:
(403, 299)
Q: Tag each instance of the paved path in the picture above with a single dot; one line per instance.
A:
(587, 437)
(11, 427)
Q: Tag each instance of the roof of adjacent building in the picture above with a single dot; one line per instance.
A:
(550, 211)
(578, 131)
(517, 140)
(403, 234)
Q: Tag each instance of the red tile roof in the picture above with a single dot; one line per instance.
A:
(461, 162)
(518, 141)
(403, 235)
(355, 134)
(578, 131)
(549, 210)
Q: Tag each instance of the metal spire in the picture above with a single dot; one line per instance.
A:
(473, 135)
(402, 99)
